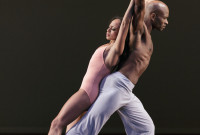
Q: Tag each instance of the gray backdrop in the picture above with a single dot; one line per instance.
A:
(45, 47)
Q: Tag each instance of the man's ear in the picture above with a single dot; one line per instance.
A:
(153, 16)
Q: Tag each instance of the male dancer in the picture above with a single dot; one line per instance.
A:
(116, 89)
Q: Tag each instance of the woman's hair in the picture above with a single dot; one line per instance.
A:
(116, 17)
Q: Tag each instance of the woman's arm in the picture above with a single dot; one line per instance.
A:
(118, 47)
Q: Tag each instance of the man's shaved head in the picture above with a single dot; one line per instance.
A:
(155, 6)
(156, 14)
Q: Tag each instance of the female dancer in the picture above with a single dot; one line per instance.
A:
(101, 63)
(98, 68)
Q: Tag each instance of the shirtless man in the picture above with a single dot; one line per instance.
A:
(116, 89)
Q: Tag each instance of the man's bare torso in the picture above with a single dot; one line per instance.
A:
(141, 49)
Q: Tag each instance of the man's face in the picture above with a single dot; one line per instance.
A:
(161, 21)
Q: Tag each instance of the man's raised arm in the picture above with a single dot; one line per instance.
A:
(138, 17)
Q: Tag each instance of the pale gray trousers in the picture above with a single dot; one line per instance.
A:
(115, 95)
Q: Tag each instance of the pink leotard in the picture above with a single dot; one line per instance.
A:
(96, 71)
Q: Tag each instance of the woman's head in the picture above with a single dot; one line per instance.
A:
(113, 28)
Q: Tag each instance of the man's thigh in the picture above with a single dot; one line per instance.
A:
(135, 118)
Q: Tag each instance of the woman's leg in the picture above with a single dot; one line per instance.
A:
(76, 105)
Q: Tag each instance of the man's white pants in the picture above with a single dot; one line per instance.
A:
(115, 95)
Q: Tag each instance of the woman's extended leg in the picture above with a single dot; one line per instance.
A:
(74, 107)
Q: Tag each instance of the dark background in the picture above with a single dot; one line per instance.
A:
(45, 47)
